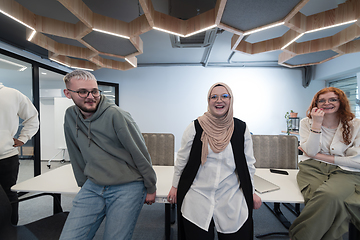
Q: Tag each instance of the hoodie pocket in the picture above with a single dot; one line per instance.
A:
(6, 142)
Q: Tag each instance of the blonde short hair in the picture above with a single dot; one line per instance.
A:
(78, 74)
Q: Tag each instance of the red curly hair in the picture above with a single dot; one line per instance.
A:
(344, 111)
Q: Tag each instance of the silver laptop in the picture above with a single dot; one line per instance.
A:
(263, 186)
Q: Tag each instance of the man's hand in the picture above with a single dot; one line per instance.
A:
(17, 143)
(150, 198)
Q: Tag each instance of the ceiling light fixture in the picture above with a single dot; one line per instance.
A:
(32, 35)
(52, 59)
(130, 62)
(110, 33)
(264, 28)
(16, 19)
(22, 67)
(163, 30)
(292, 41)
(201, 30)
(336, 25)
(87, 69)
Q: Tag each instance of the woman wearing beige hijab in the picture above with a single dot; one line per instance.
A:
(212, 183)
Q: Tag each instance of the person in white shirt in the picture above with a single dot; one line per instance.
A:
(329, 175)
(13, 105)
(213, 174)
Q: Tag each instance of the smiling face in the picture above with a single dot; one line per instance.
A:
(219, 106)
(87, 105)
(329, 102)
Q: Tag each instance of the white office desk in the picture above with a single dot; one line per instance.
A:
(289, 191)
(62, 181)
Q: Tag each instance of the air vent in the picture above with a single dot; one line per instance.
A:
(200, 40)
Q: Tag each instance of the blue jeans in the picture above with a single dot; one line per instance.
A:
(121, 204)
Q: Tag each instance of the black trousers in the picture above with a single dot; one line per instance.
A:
(9, 169)
(193, 232)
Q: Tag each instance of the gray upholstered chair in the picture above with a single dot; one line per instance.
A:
(277, 151)
(160, 147)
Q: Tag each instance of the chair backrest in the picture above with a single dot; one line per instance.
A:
(275, 151)
(160, 147)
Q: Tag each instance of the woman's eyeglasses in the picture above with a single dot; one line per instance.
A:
(330, 100)
(222, 97)
(83, 93)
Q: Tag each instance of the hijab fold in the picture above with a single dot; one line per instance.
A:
(217, 131)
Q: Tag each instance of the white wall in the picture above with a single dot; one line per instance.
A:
(167, 99)
(340, 67)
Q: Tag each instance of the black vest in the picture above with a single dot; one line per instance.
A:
(190, 170)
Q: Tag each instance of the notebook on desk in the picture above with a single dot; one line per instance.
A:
(262, 186)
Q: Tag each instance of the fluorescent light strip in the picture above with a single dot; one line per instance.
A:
(264, 28)
(293, 41)
(110, 33)
(174, 33)
(22, 67)
(336, 25)
(201, 30)
(32, 35)
(130, 62)
(60, 62)
(88, 69)
(16, 20)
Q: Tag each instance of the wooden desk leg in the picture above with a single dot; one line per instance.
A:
(167, 220)
(354, 233)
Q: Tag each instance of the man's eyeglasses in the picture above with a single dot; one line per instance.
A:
(224, 96)
(330, 100)
(83, 93)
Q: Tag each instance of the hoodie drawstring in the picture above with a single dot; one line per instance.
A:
(76, 125)
(89, 133)
(77, 128)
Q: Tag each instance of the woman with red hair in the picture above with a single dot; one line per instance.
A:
(329, 176)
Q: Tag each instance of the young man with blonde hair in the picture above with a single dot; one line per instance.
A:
(110, 161)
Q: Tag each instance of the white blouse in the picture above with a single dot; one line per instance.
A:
(330, 141)
(215, 191)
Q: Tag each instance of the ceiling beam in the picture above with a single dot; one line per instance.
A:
(80, 10)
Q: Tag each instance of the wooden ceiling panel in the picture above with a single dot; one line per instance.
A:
(113, 28)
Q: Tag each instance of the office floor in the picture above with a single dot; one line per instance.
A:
(151, 222)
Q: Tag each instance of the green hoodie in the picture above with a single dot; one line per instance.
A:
(108, 147)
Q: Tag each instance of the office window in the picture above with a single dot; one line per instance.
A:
(350, 87)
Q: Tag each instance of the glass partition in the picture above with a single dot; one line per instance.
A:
(18, 74)
(52, 142)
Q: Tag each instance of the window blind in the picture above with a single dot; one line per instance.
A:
(350, 87)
